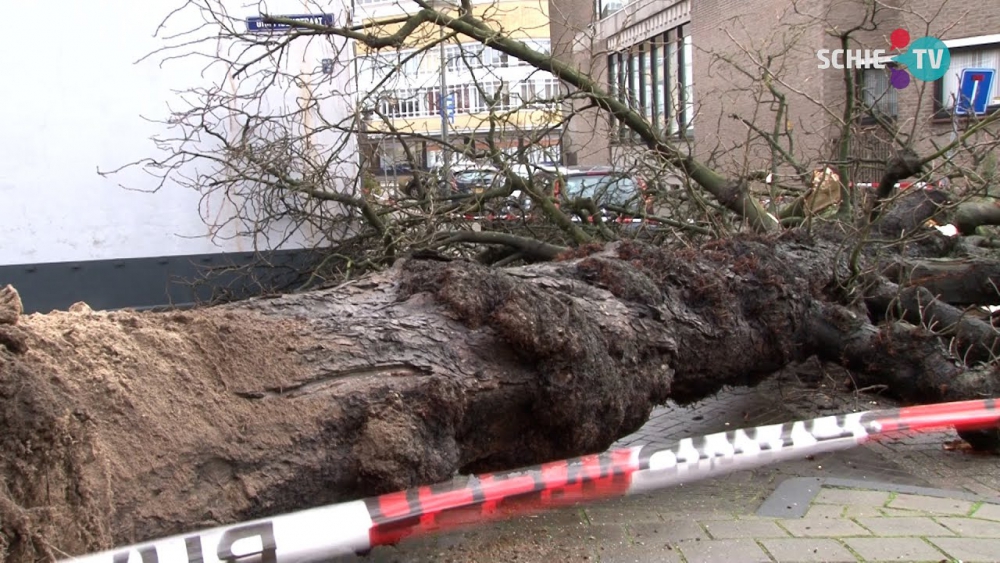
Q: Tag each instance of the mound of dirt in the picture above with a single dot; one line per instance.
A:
(82, 405)
(10, 306)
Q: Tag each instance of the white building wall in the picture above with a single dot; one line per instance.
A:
(75, 97)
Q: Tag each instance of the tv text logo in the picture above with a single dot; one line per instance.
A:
(927, 59)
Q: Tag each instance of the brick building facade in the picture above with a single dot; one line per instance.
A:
(696, 68)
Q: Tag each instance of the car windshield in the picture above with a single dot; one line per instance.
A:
(607, 190)
(485, 176)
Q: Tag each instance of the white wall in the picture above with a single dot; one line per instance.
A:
(73, 100)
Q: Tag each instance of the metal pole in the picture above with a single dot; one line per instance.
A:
(444, 108)
(954, 129)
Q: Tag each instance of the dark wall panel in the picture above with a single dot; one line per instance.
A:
(144, 283)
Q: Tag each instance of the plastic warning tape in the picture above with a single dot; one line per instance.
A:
(357, 526)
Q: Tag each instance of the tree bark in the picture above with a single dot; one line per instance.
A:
(959, 281)
(973, 214)
(121, 427)
(971, 339)
(911, 211)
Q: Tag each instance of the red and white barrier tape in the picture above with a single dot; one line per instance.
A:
(899, 185)
(357, 526)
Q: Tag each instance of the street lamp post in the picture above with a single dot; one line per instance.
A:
(443, 103)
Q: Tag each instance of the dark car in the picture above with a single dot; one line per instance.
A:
(432, 183)
(477, 181)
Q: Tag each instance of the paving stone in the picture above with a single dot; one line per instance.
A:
(826, 511)
(823, 527)
(724, 551)
(974, 487)
(733, 529)
(969, 550)
(618, 515)
(605, 534)
(899, 512)
(851, 496)
(893, 549)
(811, 549)
(861, 511)
(668, 532)
(988, 511)
(972, 528)
(556, 519)
(634, 555)
(932, 505)
(912, 526)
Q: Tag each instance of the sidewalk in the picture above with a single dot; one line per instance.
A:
(906, 500)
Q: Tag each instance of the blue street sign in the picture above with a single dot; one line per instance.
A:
(327, 66)
(974, 92)
(449, 105)
(257, 25)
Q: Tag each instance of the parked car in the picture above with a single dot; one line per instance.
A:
(477, 180)
(422, 184)
(606, 186)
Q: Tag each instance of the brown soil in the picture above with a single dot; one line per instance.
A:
(56, 477)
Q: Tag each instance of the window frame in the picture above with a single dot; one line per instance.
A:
(648, 75)
(685, 80)
(859, 84)
(945, 112)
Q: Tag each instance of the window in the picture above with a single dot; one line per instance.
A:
(661, 85)
(876, 94)
(494, 59)
(607, 7)
(633, 80)
(463, 101)
(541, 92)
(459, 59)
(687, 83)
(540, 45)
(671, 85)
(472, 56)
(538, 92)
(980, 56)
(646, 79)
(491, 96)
(403, 103)
(409, 63)
(613, 76)
(377, 67)
(656, 79)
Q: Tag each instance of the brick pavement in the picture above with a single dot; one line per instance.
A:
(871, 503)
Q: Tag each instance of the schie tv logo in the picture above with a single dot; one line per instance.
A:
(927, 59)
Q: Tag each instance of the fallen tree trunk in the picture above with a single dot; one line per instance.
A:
(972, 339)
(122, 427)
(971, 215)
(966, 281)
